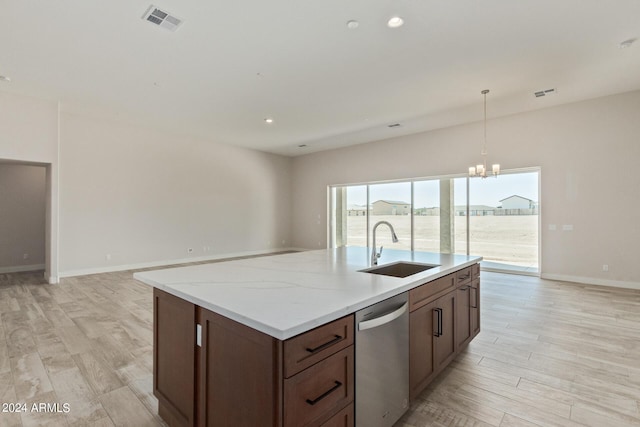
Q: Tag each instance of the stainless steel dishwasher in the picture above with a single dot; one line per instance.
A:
(382, 362)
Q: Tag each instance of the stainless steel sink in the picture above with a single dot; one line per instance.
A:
(399, 269)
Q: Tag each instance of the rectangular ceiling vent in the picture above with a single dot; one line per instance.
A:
(161, 18)
(545, 92)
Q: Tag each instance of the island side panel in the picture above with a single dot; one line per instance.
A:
(240, 374)
(173, 358)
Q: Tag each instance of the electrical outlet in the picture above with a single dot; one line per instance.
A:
(605, 267)
(107, 257)
(567, 227)
(552, 227)
(25, 256)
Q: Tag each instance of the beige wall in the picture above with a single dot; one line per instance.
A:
(22, 217)
(588, 154)
(29, 133)
(145, 197)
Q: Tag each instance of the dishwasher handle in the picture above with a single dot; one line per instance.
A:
(384, 319)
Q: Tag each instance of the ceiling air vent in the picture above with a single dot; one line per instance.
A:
(395, 125)
(161, 18)
(545, 92)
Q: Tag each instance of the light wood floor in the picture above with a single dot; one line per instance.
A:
(549, 354)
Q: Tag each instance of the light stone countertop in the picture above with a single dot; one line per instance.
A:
(285, 295)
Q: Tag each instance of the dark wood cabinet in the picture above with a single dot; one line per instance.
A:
(463, 315)
(234, 375)
(173, 358)
(239, 371)
(474, 297)
(443, 320)
(444, 344)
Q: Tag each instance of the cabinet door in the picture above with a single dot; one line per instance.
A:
(239, 375)
(444, 345)
(474, 296)
(463, 316)
(174, 358)
(422, 327)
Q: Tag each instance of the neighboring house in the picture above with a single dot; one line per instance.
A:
(517, 202)
(390, 207)
(356, 210)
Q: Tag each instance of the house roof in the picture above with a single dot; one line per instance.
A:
(392, 202)
(515, 195)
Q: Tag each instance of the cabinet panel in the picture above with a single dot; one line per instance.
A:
(444, 346)
(474, 296)
(239, 373)
(463, 315)
(422, 324)
(304, 350)
(344, 418)
(426, 293)
(319, 391)
(174, 357)
(463, 276)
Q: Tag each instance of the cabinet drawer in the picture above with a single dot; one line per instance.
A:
(426, 293)
(319, 390)
(344, 418)
(305, 349)
(463, 276)
(475, 271)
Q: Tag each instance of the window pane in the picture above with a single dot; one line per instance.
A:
(503, 216)
(426, 221)
(391, 203)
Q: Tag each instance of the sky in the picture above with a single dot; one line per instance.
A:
(487, 191)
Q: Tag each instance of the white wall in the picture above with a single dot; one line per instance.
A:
(588, 153)
(144, 197)
(22, 217)
(29, 133)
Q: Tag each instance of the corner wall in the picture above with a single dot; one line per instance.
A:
(588, 154)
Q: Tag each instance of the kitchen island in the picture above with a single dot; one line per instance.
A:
(250, 342)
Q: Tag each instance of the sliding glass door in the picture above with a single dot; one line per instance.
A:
(494, 218)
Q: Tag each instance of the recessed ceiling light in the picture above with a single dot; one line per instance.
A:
(5, 78)
(352, 24)
(268, 120)
(395, 22)
(627, 43)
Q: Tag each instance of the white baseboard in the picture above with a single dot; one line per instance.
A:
(21, 268)
(591, 281)
(124, 267)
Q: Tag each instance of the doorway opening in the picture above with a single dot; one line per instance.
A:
(26, 223)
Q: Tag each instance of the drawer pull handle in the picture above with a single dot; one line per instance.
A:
(465, 277)
(325, 394)
(325, 345)
(438, 312)
(475, 298)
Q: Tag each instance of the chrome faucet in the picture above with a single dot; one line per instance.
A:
(375, 255)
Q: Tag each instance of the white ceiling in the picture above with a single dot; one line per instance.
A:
(232, 63)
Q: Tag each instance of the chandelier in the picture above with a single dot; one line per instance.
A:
(481, 169)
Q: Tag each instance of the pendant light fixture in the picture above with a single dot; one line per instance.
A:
(481, 169)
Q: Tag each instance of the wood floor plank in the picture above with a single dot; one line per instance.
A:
(30, 377)
(48, 416)
(125, 409)
(71, 388)
(98, 374)
(513, 421)
(8, 395)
